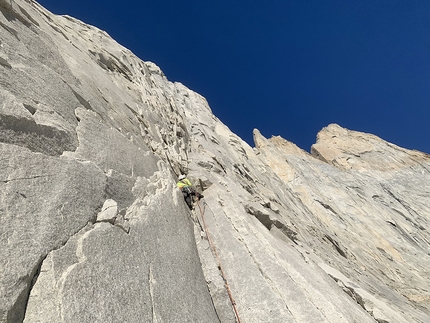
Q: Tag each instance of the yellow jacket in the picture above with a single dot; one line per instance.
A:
(183, 183)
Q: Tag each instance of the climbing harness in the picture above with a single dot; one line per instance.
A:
(227, 287)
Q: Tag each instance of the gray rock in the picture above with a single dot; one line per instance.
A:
(372, 214)
(93, 228)
(71, 138)
(104, 274)
(45, 200)
(109, 212)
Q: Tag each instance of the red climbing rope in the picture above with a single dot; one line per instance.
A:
(227, 287)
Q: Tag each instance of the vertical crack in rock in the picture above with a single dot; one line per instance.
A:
(217, 285)
(17, 312)
(151, 283)
(214, 282)
(15, 316)
(213, 303)
(81, 259)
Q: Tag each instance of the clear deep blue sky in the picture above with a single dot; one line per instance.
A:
(286, 67)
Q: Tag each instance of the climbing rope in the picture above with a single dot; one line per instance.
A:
(227, 287)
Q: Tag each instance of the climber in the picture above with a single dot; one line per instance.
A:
(187, 190)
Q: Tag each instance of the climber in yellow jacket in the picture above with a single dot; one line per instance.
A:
(187, 190)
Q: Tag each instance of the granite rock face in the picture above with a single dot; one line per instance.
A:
(370, 216)
(93, 228)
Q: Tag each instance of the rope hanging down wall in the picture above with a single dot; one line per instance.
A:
(227, 287)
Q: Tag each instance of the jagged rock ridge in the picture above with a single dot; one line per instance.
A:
(94, 230)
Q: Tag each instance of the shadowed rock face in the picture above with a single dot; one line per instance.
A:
(93, 228)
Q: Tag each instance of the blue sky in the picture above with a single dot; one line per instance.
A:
(288, 68)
